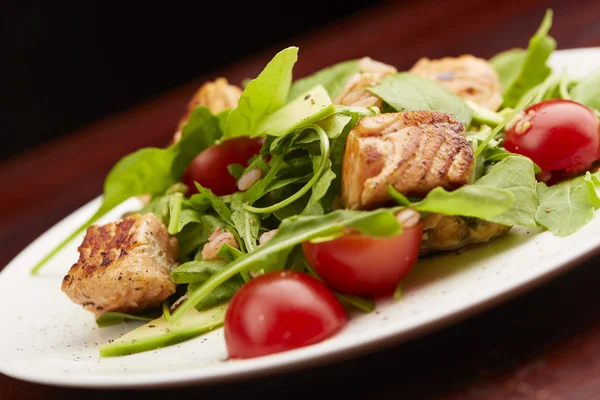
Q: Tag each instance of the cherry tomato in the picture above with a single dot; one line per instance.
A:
(209, 168)
(280, 311)
(361, 265)
(557, 135)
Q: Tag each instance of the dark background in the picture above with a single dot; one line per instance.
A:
(68, 63)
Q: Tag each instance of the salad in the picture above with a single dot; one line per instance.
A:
(284, 205)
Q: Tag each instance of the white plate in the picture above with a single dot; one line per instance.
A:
(46, 338)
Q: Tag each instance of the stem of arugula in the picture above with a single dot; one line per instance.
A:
(325, 151)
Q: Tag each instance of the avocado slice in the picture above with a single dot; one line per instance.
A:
(309, 107)
(160, 333)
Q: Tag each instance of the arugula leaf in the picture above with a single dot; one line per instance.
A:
(150, 170)
(197, 270)
(294, 231)
(217, 204)
(508, 64)
(246, 222)
(587, 90)
(567, 206)
(263, 95)
(332, 78)
(323, 164)
(468, 201)
(533, 68)
(194, 273)
(193, 236)
(180, 218)
(516, 175)
(223, 292)
(405, 91)
(320, 188)
(506, 195)
(334, 124)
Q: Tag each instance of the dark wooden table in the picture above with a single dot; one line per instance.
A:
(543, 344)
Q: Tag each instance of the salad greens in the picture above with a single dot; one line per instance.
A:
(408, 92)
(296, 197)
(521, 70)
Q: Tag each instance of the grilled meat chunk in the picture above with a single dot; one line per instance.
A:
(123, 266)
(370, 73)
(470, 77)
(414, 151)
(447, 232)
(218, 95)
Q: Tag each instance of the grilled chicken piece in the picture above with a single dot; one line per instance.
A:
(370, 73)
(123, 266)
(446, 232)
(470, 77)
(218, 95)
(414, 151)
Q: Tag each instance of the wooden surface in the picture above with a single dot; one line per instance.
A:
(543, 344)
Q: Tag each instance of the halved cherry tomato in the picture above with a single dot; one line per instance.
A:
(209, 168)
(557, 134)
(280, 311)
(362, 265)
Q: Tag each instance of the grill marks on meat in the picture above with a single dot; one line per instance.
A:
(414, 151)
(123, 266)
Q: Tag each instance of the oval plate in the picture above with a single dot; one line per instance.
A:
(48, 339)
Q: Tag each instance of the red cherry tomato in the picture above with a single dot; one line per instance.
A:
(362, 265)
(280, 311)
(557, 135)
(209, 168)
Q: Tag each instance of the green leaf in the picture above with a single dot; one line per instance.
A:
(246, 223)
(567, 206)
(332, 78)
(534, 68)
(320, 188)
(508, 64)
(197, 270)
(323, 164)
(516, 175)
(263, 95)
(150, 170)
(587, 90)
(468, 201)
(179, 216)
(217, 204)
(334, 124)
(408, 92)
(193, 236)
(294, 231)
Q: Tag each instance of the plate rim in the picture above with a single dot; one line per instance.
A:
(272, 364)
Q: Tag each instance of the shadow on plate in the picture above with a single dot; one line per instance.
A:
(443, 265)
